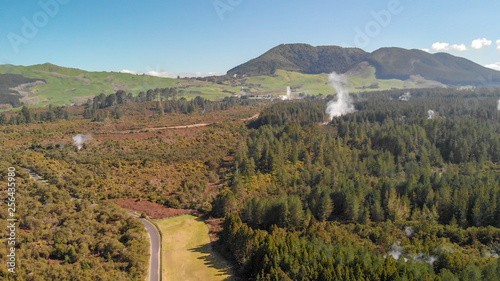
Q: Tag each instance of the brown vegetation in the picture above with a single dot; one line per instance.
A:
(153, 210)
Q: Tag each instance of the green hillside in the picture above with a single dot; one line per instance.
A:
(314, 84)
(68, 85)
(302, 58)
(390, 63)
(401, 63)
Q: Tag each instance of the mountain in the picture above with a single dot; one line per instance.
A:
(302, 58)
(390, 63)
(400, 63)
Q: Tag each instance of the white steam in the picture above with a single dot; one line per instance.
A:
(409, 231)
(342, 104)
(492, 254)
(288, 94)
(431, 114)
(425, 258)
(444, 249)
(396, 251)
(498, 106)
(405, 97)
(80, 139)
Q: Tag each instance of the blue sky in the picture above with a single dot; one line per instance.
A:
(216, 35)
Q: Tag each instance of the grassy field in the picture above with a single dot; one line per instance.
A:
(187, 254)
(314, 84)
(69, 85)
(65, 85)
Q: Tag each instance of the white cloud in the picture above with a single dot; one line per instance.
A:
(166, 74)
(426, 50)
(495, 66)
(498, 45)
(130, 71)
(438, 46)
(460, 47)
(480, 43)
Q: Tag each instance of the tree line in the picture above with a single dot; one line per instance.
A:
(27, 116)
(162, 101)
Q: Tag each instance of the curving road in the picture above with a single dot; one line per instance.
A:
(154, 260)
(154, 235)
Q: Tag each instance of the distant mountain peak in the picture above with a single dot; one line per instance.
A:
(389, 62)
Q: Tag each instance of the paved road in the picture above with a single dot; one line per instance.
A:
(154, 260)
(36, 177)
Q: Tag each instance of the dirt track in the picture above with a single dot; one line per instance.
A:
(177, 127)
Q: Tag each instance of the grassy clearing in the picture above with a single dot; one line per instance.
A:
(187, 254)
(313, 84)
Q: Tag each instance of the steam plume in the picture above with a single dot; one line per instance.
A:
(409, 231)
(423, 257)
(498, 106)
(288, 94)
(80, 139)
(342, 104)
(492, 254)
(405, 97)
(396, 250)
(431, 114)
(431, 260)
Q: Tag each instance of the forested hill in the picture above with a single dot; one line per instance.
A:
(390, 63)
(398, 190)
(302, 58)
(12, 87)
